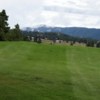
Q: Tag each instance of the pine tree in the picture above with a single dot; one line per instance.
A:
(3, 25)
(17, 32)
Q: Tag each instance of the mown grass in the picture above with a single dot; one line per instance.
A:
(30, 71)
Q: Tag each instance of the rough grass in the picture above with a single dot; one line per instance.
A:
(31, 71)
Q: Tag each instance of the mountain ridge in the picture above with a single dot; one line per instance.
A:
(81, 32)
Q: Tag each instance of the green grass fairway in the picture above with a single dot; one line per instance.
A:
(31, 71)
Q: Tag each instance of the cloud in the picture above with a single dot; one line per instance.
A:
(82, 13)
(24, 12)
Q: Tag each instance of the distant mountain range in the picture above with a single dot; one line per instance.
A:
(72, 31)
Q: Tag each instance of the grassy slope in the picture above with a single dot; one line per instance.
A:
(84, 66)
(47, 72)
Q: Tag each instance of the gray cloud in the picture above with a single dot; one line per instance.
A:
(84, 11)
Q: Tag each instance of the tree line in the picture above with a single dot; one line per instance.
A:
(53, 36)
(7, 34)
(16, 34)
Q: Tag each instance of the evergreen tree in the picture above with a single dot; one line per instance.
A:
(14, 34)
(3, 25)
(17, 32)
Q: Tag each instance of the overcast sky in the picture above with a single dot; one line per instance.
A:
(81, 13)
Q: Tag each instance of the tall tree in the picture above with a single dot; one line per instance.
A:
(3, 24)
(17, 32)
